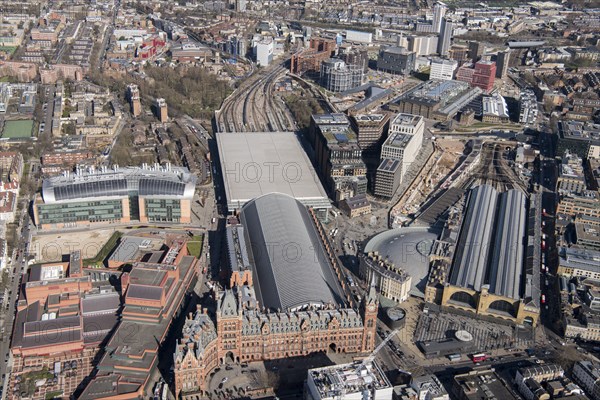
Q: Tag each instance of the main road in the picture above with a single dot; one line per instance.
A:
(18, 266)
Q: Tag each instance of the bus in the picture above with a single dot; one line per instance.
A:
(454, 357)
(479, 357)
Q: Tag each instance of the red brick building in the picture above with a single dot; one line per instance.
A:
(309, 60)
(60, 323)
(68, 159)
(484, 75)
(273, 311)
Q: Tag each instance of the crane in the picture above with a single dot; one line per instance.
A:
(371, 356)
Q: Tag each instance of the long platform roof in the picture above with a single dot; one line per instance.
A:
(258, 163)
(291, 269)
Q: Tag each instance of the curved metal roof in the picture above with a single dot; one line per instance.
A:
(507, 262)
(472, 251)
(491, 246)
(291, 269)
(120, 182)
(408, 248)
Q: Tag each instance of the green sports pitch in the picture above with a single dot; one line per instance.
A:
(18, 129)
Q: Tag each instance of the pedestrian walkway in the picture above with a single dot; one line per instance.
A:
(486, 335)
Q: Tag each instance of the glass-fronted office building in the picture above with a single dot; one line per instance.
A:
(118, 195)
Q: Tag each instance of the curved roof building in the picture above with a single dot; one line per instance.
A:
(472, 251)
(118, 182)
(116, 195)
(408, 248)
(290, 266)
(491, 246)
(507, 262)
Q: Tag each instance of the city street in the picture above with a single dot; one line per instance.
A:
(548, 174)
(18, 267)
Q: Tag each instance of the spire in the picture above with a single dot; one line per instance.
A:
(228, 305)
(372, 295)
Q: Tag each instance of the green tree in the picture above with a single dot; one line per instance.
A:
(68, 128)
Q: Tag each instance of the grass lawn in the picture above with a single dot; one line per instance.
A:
(8, 49)
(194, 246)
(18, 129)
(104, 251)
(52, 395)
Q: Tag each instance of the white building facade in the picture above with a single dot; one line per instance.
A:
(442, 70)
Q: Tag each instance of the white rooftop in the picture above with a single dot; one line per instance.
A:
(495, 105)
(258, 163)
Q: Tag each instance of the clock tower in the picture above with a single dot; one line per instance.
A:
(369, 307)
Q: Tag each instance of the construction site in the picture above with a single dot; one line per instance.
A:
(453, 167)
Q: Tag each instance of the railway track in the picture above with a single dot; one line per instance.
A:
(252, 106)
(493, 171)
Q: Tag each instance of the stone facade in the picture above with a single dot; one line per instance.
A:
(244, 333)
(489, 304)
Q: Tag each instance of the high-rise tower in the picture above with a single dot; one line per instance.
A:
(439, 11)
(445, 37)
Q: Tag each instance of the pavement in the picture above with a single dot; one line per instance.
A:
(487, 336)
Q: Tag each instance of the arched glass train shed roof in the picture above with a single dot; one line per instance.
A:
(291, 269)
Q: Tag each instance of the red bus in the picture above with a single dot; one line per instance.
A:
(479, 357)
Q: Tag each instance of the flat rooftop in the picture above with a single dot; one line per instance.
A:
(348, 379)
(477, 384)
(130, 246)
(396, 50)
(407, 119)
(578, 130)
(389, 165)
(588, 260)
(399, 140)
(258, 163)
(369, 117)
(326, 119)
